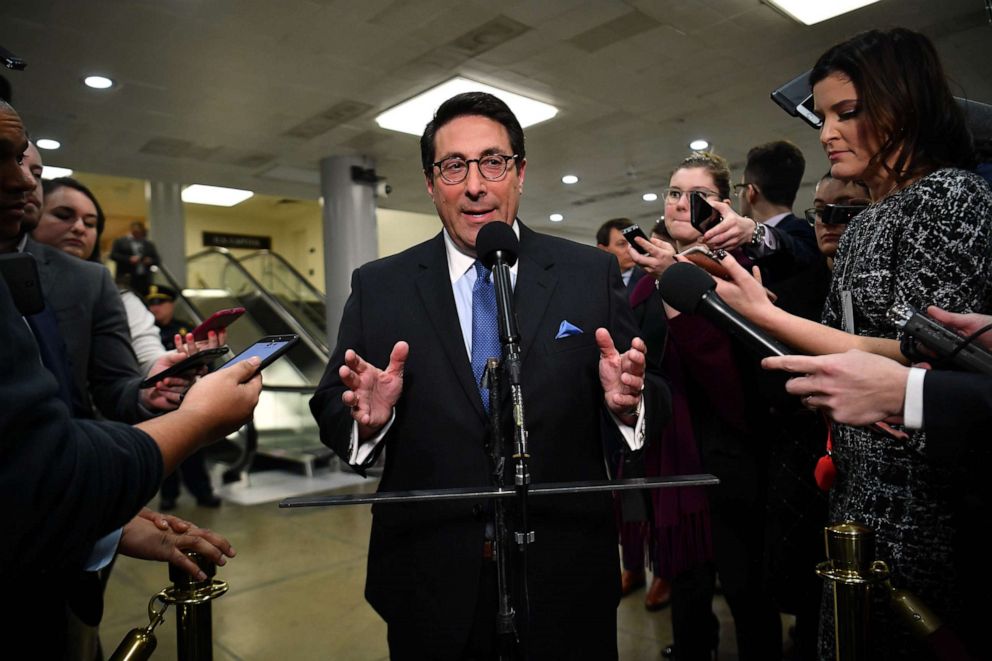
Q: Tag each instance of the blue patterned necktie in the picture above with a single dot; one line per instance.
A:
(485, 326)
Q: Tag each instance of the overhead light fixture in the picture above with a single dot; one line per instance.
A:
(808, 13)
(47, 143)
(570, 179)
(556, 218)
(98, 82)
(215, 195)
(412, 115)
(699, 145)
(52, 172)
(649, 197)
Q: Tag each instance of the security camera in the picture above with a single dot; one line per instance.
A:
(383, 189)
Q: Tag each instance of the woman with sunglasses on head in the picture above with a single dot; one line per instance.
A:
(889, 120)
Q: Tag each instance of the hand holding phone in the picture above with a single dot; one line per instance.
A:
(217, 321)
(702, 216)
(190, 364)
(631, 233)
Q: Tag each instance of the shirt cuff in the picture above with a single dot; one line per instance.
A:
(103, 551)
(912, 414)
(359, 451)
(632, 435)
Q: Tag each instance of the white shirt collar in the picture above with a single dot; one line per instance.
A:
(459, 262)
(775, 220)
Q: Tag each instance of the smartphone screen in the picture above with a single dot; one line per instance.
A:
(268, 349)
(633, 231)
(702, 216)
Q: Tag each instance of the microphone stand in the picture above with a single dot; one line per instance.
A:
(511, 369)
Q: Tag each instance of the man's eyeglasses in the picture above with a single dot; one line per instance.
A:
(493, 167)
(834, 214)
(674, 194)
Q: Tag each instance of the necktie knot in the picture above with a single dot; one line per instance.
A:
(481, 271)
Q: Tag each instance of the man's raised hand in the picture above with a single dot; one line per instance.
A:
(621, 375)
(372, 393)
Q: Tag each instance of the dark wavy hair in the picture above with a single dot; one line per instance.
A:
(906, 101)
(463, 105)
(52, 185)
(715, 165)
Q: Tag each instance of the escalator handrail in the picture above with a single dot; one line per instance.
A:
(319, 295)
(318, 346)
(171, 279)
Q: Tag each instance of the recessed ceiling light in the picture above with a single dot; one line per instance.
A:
(215, 195)
(556, 218)
(569, 179)
(699, 145)
(52, 172)
(412, 115)
(98, 82)
(808, 13)
(649, 197)
(47, 143)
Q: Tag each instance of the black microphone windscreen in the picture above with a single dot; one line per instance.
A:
(683, 286)
(493, 237)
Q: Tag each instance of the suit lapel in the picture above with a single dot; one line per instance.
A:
(434, 288)
(536, 282)
(45, 274)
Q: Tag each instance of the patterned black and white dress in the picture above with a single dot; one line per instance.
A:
(928, 244)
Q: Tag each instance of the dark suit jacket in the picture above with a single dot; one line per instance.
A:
(425, 559)
(93, 323)
(122, 250)
(63, 483)
(796, 251)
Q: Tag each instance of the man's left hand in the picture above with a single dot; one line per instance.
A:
(621, 375)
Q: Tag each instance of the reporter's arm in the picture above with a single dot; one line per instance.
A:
(746, 295)
(217, 405)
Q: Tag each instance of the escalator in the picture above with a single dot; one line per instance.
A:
(283, 429)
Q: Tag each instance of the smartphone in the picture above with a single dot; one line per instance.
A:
(706, 259)
(21, 273)
(217, 321)
(191, 364)
(630, 233)
(268, 349)
(796, 98)
(702, 215)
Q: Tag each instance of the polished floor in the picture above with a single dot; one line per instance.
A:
(296, 591)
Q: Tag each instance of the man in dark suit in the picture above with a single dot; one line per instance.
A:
(610, 239)
(134, 256)
(417, 315)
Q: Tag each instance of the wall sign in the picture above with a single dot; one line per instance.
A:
(239, 241)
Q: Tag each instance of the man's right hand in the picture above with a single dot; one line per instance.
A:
(226, 398)
(372, 393)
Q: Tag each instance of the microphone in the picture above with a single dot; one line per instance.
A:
(944, 342)
(688, 288)
(496, 245)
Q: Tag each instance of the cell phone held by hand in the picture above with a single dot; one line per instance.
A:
(191, 364)
(702, 215)
(268, 349)
(217, 321)
(630, 233)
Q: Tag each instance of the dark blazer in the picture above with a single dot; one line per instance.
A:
(796, 251)
(93, 323)
(63, 483)
(122, 250)
(425, 559)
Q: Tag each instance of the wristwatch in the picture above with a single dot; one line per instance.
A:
(758, 237)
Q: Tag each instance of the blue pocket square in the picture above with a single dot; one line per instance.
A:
(567, 330)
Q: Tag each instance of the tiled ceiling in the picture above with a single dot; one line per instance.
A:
(253, 93)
